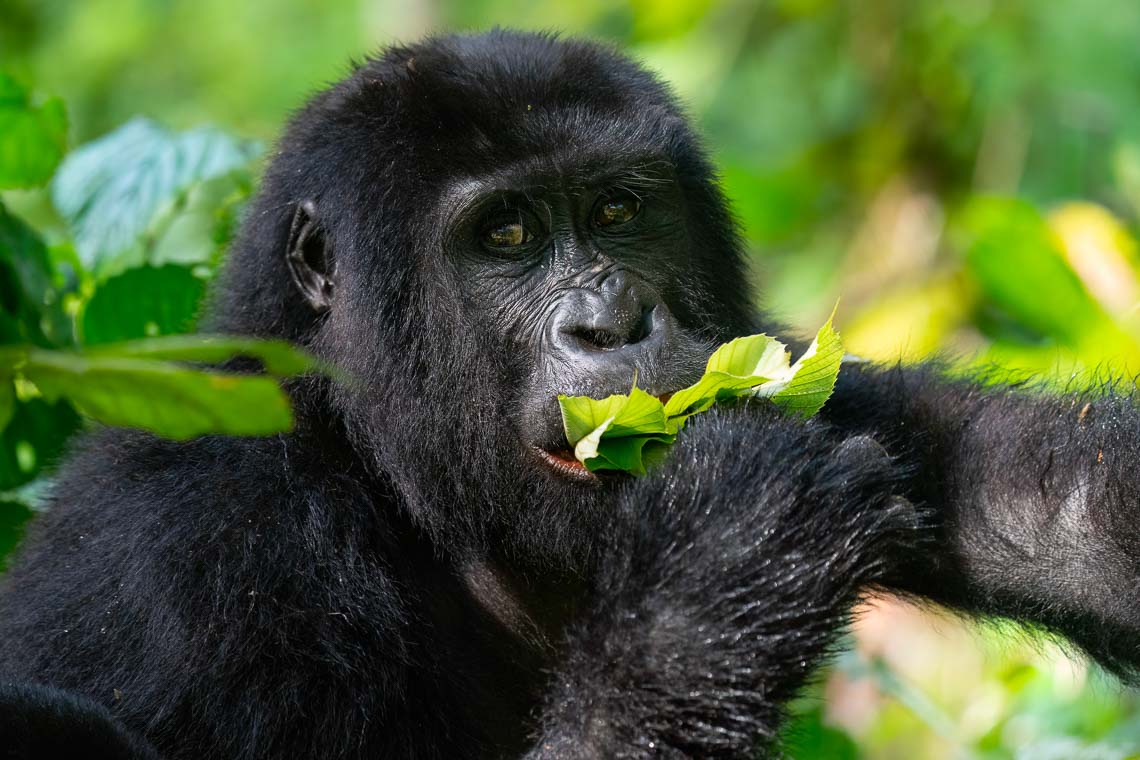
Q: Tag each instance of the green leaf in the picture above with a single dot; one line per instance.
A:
(633, 454)
(631, 414)
(632, 432)
(33, 438)
(752, 355)
(613, 433)
(583, 416)
(33, 138)
(172, 401)
(13, 516)
(587, 446)
(141, 303)
(110, 190)
(198, 231)
(29, 299)
(7, 399)
(808, 737)
(1021, 268)
(277, 356)
(812, 377)
(735, 367)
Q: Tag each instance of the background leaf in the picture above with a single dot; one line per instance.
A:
(277, 356)
(33, 138)
(169, 400)
(7, 400)
(110, 190)
(808, 737)
(29, 297)
(33, 439)
(13, 517)
(140, 303)
(1020, 266)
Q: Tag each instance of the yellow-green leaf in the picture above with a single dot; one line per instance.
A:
(613, 433)
(812, 378)
(734, 368)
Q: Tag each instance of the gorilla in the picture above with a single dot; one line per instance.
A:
(467, 227)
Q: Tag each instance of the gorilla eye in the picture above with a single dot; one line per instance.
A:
(507, 235)
(616, 210)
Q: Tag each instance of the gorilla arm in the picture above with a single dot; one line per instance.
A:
(1034, 500)
(725, 583)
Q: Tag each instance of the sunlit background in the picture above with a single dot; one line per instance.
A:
(964, 175)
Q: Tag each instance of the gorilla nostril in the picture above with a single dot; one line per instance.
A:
(596, 340)
(621, 331)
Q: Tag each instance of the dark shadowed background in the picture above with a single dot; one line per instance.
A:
(964, 175)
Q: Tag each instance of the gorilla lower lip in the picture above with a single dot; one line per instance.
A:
(565, 464)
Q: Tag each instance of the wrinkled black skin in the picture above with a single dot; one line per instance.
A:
(401, 576)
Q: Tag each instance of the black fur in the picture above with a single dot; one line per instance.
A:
(399, 577)
(41, 723)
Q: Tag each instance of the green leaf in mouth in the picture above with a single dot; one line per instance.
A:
(631, 432)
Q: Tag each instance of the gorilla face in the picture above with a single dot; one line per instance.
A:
(572, 272)
(472, 226)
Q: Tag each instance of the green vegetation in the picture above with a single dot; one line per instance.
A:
(75, 339)
(966, 175)
(633, 431)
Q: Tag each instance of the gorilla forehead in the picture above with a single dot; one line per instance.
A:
(391, 152)
(500, 98)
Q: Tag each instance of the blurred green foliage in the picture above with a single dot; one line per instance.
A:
(76, 339)
(965, 175)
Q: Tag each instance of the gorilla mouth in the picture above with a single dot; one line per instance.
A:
(564, 463)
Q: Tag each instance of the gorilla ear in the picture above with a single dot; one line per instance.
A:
(310, 261)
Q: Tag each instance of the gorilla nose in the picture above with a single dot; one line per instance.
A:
(608, 331)
(615, 317)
